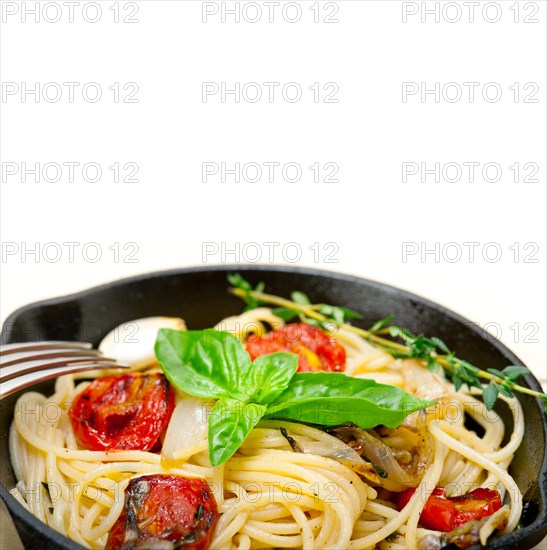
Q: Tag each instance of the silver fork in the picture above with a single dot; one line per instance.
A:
(25, 364)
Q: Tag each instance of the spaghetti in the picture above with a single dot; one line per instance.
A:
(267, 494)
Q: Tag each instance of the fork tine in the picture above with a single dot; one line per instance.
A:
(6, 349)
(15, 384)
(24, 356)
(24, 364)
(12, 371)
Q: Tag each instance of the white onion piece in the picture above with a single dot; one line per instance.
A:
(133, 342)
(421, 382)
(346, 455)
(187, 430)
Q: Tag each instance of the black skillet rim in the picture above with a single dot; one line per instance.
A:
(514, 539)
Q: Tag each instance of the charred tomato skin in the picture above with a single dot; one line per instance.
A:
(123, 412)
(316, 350)
(476, 505)
(165, 508)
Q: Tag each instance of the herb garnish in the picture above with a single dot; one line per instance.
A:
(215, 364)
(433, 352)
(336, 313)
(239, 282)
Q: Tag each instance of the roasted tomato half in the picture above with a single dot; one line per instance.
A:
(316, 350)
(444, 513)
(165, 511)
(128, 411)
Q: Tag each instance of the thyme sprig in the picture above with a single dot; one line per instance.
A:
(247, 291)
(432, 351)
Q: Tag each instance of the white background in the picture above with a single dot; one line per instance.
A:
(172, 218)
(166, 219)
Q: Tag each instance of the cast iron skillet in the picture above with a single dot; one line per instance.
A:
(199, 296)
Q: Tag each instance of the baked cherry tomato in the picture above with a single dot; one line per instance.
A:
(476, 505)
(128, 411)
(439, 513)
(162, 509)
(316, 350)
(444, 513)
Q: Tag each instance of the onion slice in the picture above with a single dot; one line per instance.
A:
(368, 444)
(335, 448)
(187, 430)
(421, 382)
(400, 455)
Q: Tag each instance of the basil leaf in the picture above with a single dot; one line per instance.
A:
(270, 375)
(317, 384)
(215, 364)
(333, 398)
(206, 363)
(333, 411)
(229, 424)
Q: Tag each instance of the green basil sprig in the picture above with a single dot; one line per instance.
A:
(215, 364)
